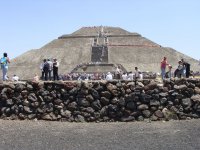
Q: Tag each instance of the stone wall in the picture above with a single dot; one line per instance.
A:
(101, 101)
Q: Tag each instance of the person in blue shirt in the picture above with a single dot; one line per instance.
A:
(4, 66)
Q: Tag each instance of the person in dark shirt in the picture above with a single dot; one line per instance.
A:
(186, 68)
(55, 69)
(46, 69)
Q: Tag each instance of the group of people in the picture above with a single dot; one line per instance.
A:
(48, 67)
(49, 71)
(117, 74)
(183, 69)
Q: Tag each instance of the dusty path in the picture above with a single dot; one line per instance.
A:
(41, 135)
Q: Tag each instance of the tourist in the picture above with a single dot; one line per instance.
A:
(109, 76)
(41, 68)
(130, 75)
(186, 70)
(163, 67)
(138, 74)
(50, 68)
(15, 78)
(103, 76)
(179, 71)
(55, 69)
(96, 76)
(36, 78)
(169, 72)
(118, 73)
(4, 66)
(46, 69)
(82, 77)
(124, 76)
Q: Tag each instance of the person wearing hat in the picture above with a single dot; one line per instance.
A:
(55, 69)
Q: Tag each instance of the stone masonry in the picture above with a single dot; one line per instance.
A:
(101, 101)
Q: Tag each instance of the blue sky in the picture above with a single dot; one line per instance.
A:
(30, 24)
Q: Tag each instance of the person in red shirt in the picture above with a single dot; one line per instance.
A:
(163, 67)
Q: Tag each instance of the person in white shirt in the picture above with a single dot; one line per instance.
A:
(124, 76)
(109, 76)
(117, 73)
(36, 78)
(180, 65)
(138, 73)
(15, 78)
(50, 68)
(130, 76)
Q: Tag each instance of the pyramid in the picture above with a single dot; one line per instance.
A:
(125, 48)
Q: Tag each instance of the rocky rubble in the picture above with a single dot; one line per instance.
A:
(101, 101)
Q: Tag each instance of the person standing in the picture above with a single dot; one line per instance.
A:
(169, 72)
(36, 78)
(55, 69)
(118, 73)
(4, 66)
(124, 76)
(109, 76)
(50, 68)
(42, 68)
(138, 74)
(46, 69)
(130, 75)
(163, 67)
(15, 78)
(186, 70)
(179, 71)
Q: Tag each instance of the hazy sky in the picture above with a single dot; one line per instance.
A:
(30, 24)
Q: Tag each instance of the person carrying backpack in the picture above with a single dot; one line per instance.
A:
(4, 66)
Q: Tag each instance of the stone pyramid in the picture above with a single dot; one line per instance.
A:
(126, 48)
